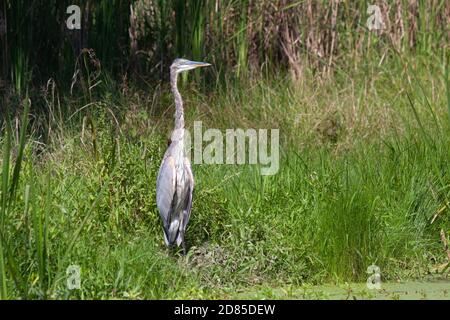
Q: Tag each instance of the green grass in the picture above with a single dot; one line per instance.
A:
(364, 175)
(364, 170)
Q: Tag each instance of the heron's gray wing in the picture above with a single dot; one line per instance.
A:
(165, 189)
(190, 179)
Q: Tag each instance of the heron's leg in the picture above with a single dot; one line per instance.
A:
(183, 244)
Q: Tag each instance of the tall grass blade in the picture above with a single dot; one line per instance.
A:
(21, 147)
(3, 209)
(39, 221)
(447, 84)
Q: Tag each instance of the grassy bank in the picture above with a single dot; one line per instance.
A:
(364, 179)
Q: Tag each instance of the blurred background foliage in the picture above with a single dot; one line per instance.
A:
(139, 39)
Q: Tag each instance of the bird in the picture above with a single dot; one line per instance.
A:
(175, 182)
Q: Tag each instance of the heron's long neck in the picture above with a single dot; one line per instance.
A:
(179, 112)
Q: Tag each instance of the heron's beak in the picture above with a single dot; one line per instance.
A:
(197, 64)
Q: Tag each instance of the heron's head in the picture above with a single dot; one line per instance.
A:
(180, 65)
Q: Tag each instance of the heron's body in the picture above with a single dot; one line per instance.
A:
(175, 186)
(175, 183)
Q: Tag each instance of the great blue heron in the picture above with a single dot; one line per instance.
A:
(175, 183)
